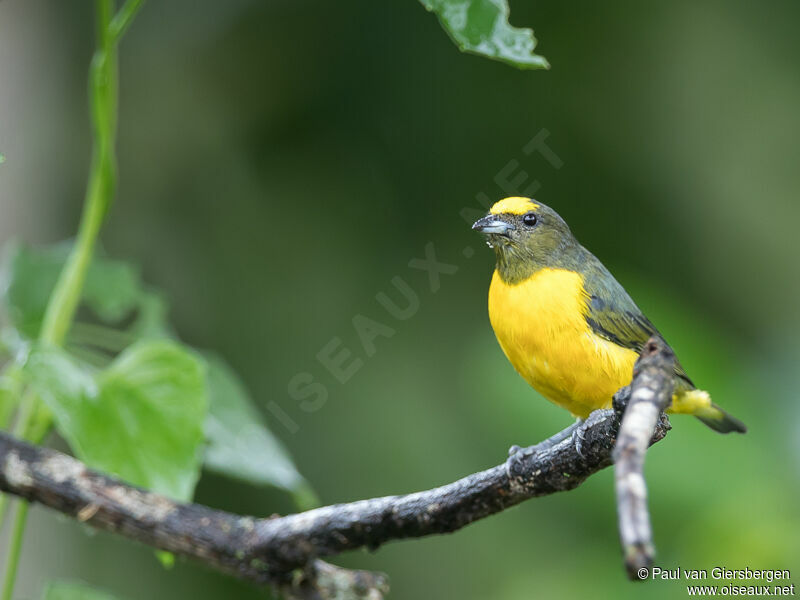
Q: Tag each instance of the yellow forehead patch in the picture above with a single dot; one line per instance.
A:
(514, 205)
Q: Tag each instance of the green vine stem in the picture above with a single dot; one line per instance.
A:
(122, 20)
(28, 406)
(14, 550)
(34, 420)
(103, 102)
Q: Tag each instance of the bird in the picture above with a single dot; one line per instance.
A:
(567, 326)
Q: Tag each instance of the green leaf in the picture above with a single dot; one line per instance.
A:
(67, 590)
(239, 443)
(27, 278)
(112, 290)
(481, 27)
(141, 418)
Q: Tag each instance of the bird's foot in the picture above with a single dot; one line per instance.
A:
(582, 426)
(576, 433)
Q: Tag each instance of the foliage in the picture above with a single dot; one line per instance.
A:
(141, 418)
(88, 348)
(239, 443)
(122, 371)
(482, 27)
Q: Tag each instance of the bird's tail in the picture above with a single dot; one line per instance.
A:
(720, 421)
(699, 404)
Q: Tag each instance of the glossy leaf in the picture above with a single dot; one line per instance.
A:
(141, 418)
(68, 590)
(482, 27)
(239, 443)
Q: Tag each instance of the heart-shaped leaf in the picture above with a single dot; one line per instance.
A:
(141, 418)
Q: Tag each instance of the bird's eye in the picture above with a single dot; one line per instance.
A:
(529, 219)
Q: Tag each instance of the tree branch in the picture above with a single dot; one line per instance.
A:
(284, 551)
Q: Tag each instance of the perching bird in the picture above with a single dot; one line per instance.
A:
(567, 326)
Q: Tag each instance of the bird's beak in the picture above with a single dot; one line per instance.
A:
(492, 224)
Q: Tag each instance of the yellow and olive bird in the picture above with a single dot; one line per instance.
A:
(567, 326)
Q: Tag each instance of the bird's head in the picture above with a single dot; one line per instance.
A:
(526, 235)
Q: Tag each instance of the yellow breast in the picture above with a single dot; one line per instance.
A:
(541, 326)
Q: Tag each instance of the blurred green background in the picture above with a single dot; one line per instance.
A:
(281, 162)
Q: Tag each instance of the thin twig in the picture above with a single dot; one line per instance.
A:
(650, 394)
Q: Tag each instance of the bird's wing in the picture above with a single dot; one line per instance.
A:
(614, 316)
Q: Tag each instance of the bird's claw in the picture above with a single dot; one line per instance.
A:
(515, 464)
(576, 433)
(579, 434)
